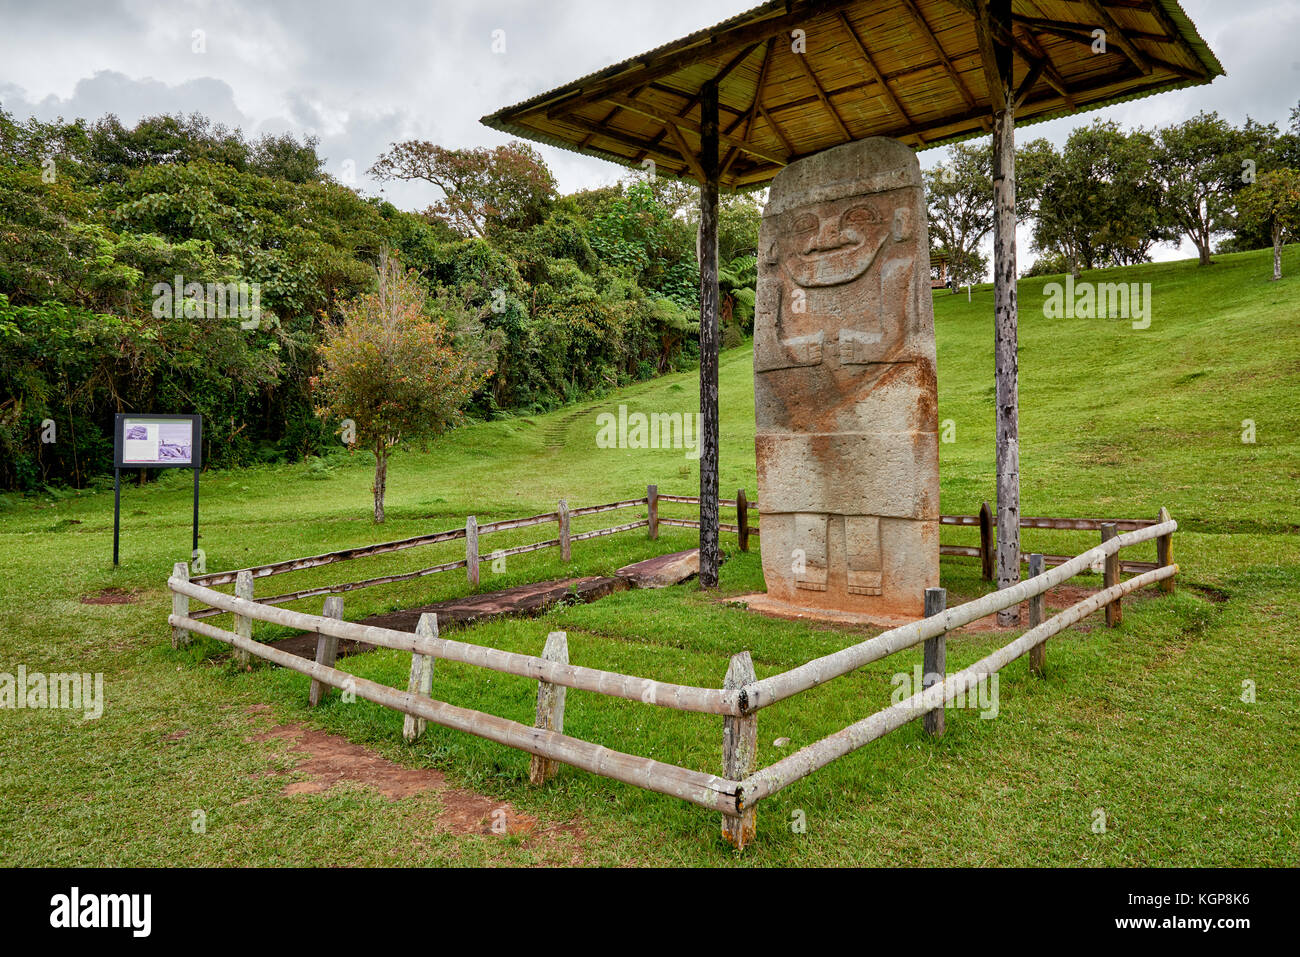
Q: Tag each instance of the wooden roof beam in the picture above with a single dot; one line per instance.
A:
(684, 123)
(1028, 49)
(821, 95)
(928, 32)
(1081, 31)
(718, 77)
(780, 133)
(751, 113)
(1033, 53)
(684, 150)
(874, 70)
(1115, 34)
(799, 12)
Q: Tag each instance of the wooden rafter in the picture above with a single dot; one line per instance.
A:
(1027, 84)
(694, 101)
(800, 12)
(685, 151)
(1082, 33)
(1033, 53)
(751, 113)
(821, 95)
(685, 123)
(1115, 34)
(928, 33)
(873, 69)
(776, 128)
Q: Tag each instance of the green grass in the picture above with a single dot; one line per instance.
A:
(1144, 722)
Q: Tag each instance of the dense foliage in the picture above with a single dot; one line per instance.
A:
(112, 240)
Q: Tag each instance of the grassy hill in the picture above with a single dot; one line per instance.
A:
(1144, 722)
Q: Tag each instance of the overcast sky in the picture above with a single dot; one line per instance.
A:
(360, 75)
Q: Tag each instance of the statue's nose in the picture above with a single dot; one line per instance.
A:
(826, 238)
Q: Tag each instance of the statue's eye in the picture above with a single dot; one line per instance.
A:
(806, 223)
(858, 216)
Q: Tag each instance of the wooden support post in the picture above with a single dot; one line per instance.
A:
(180, 606)
(1165, 552)
(935, 668)
(327, 649)
(742, 519)
(739, 751)
(243, 623)
(566, 547)
(652, 511)
(421, 679)
(986, 542)
(993, 28)
(1115, 610)
(709, 341)
(550, 706)
(471, 550)
(1037, 615)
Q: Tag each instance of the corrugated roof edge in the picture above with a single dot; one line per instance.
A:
(947, 141)
(1171, 7)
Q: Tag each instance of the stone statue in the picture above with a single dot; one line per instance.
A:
(844, 385)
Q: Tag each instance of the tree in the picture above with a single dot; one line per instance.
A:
(394, 371)
(1201, 164)
(1273, 202)
(1094, 203)
(482, 189)
(959, 195)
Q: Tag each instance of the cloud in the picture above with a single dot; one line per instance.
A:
(108, 91)
(362, 75)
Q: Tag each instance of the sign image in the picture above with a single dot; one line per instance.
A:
(153, 442)
(156, 442)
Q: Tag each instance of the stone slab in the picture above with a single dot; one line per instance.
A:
(663, 570)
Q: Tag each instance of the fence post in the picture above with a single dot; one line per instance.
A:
(739, 751)
(1114, 610)
(180, 606)
(742, 519)
(327, 649)
(1165, 551)
(471, 549)
(421, 680)
(652, 510)
(243, 623)
(566, 548)
(986, 542)
(935, 668)
(1037, 612)
(550, 706)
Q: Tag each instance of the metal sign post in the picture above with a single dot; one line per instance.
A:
(156, 442)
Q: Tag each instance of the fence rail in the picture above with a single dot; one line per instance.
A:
(472, 532)
(740, 699)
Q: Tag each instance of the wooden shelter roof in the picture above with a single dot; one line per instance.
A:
(907, 69)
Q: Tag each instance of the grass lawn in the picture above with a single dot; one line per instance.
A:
(1144, 722)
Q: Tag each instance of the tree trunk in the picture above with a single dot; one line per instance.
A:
(709, 338)
(1277, 254)
(1005, 359)
(381, 481)
(1203, 249)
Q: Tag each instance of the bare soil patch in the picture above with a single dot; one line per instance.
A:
(329, 761)
(110, 596)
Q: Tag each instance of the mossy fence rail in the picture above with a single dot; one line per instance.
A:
(736, 793)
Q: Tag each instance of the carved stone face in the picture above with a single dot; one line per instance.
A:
(834, 243)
